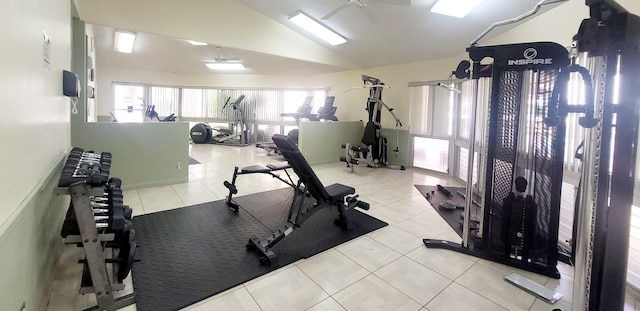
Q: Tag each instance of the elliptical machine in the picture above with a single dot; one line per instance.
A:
(374, 151)
(238, 135)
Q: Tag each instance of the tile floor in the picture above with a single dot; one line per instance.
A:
(389, 269)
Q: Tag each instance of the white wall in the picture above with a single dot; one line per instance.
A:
(91, 63)
(633, 6)
(35, 127)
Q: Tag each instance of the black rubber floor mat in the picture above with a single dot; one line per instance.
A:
(451, 216)
(192, 253)
(270, 208)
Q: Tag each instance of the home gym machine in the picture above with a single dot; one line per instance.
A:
(98, 222)
(374, 151)
(237, 135)
(336, 195)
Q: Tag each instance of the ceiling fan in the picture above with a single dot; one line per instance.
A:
(363, 4)
(220, 59)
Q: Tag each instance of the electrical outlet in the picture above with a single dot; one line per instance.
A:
(179, 165)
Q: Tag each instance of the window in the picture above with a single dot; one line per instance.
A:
(431, 154)
(164, 100)
(194, 103)
(266, 131)
(294, 99)
(431, 111)
(260, 106)
(128, 102)
(431, 125)
(463, 164)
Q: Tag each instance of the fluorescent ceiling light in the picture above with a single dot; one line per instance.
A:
(123, 41)
(225, 66)
(316, 29)
(193, 42)
(455, 8)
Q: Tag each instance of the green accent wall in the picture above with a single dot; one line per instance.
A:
(31, 246)
(321, 142)
(104, 118)
(404, 156)
(144, 154)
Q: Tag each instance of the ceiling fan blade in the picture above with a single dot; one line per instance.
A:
(396, 2)
(335, 10)
(370, 15)
(221, 59)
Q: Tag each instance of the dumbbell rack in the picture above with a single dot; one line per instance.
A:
(96, 277)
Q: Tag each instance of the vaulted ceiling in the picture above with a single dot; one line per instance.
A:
(259, 33)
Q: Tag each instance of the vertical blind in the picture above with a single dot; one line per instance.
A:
(164, 99)
(418, 110)
(430, 110)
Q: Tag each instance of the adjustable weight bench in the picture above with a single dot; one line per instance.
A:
(256, 169)
(337, 195)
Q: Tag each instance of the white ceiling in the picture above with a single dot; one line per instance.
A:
(403, 34)
(169, 54)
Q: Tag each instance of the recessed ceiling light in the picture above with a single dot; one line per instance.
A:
(316, 28)
(193, 42)
(123, 41)
(455, 8)
(225, 66)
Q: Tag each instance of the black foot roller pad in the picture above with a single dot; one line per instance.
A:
(449, 210)
(192, 253)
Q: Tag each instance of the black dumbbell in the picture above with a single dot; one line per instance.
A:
(124, 250)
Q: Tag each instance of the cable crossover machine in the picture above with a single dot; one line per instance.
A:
(523, 164)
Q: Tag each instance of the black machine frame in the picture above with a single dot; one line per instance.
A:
(610, 39)
(506, 164)
(269, 169)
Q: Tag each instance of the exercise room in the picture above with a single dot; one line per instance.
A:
(321, 155)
